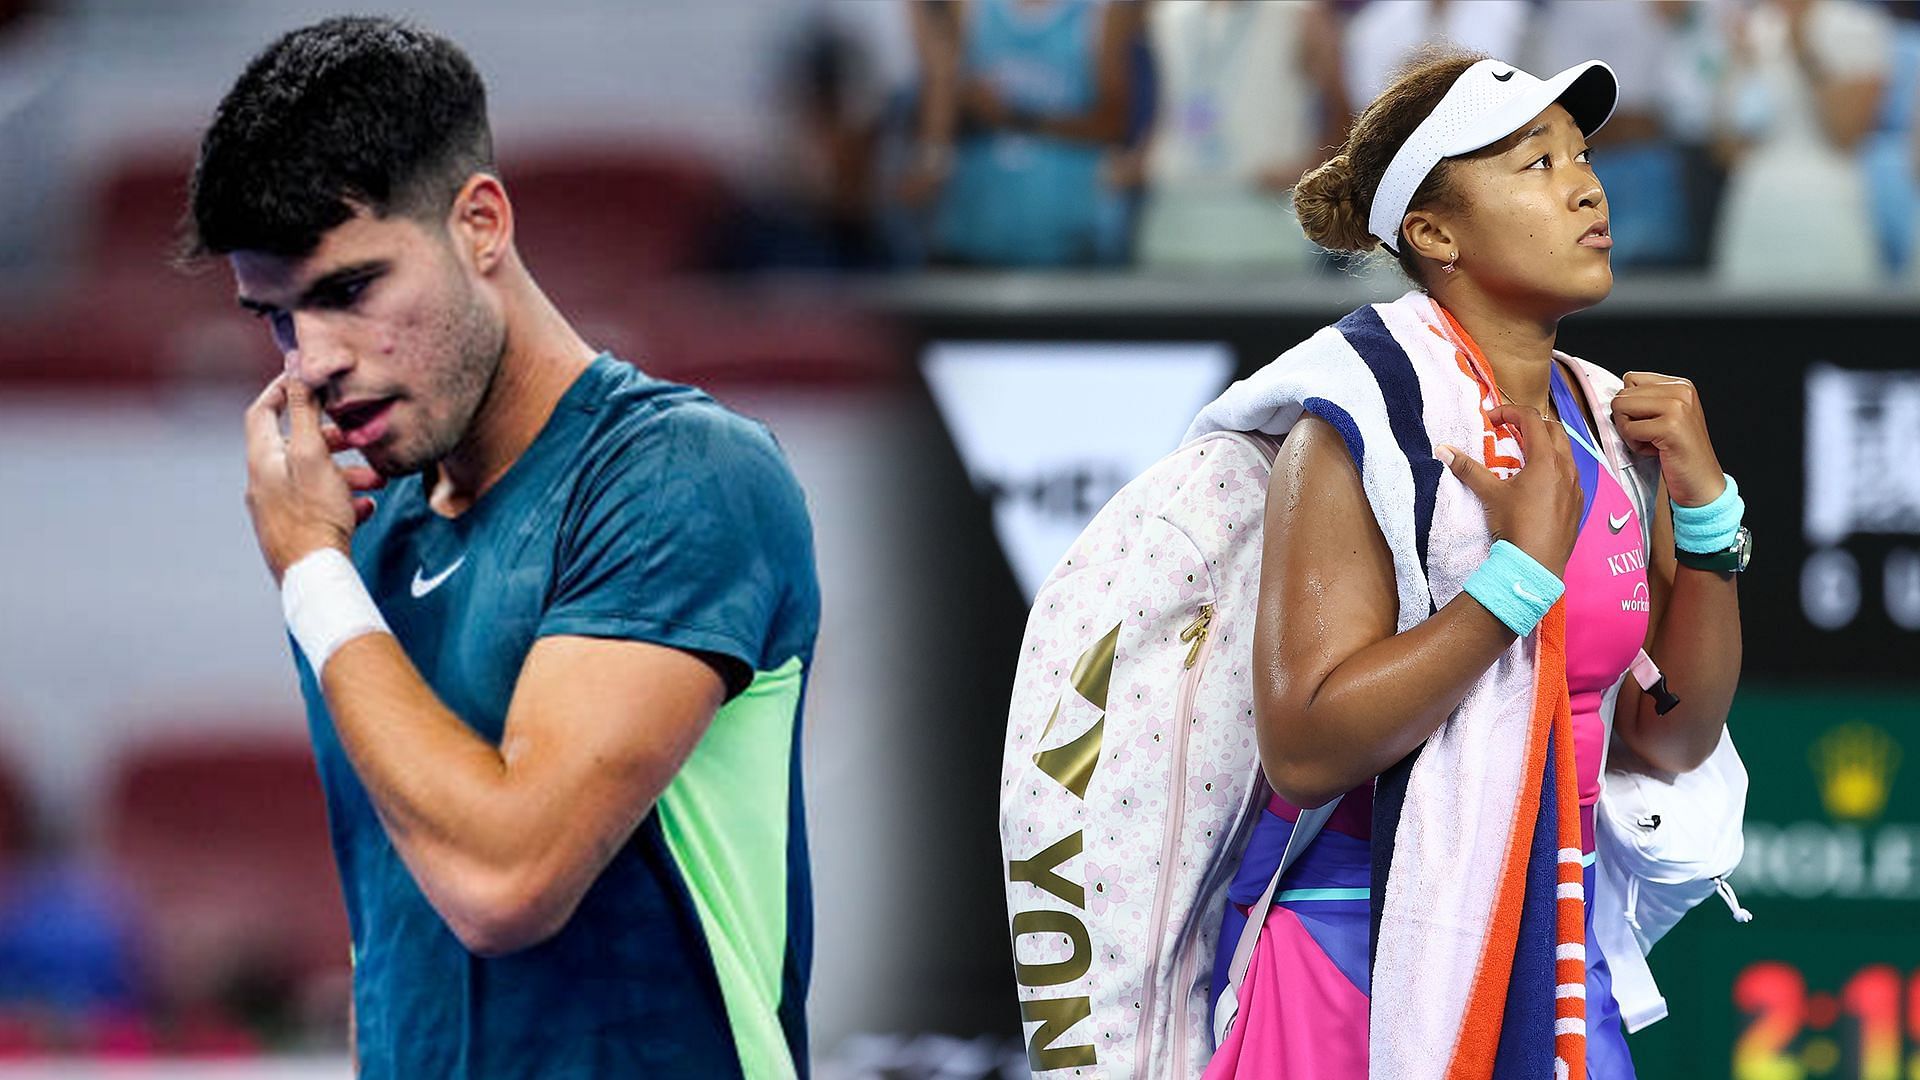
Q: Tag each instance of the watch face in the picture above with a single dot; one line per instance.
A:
(1743, 548)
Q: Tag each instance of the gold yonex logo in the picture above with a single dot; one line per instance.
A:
(1071, 766)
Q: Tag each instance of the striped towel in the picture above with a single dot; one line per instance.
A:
(1479, 965)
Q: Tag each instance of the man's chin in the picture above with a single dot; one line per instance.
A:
(389, 464)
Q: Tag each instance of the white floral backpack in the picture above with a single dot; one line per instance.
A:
(1131, 778)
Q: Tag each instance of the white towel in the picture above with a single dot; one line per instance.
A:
(1397, 379)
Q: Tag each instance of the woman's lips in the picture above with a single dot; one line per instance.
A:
(1597, 236)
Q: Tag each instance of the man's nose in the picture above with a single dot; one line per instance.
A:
(317, 356)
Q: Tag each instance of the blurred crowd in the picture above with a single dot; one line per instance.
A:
(1762, 142)
(199, 917)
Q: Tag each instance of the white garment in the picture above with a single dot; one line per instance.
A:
(1234, 97)
(1670, 62)
(1629, 35)
(1796, 210)
(1382, 36)
(1234, 100)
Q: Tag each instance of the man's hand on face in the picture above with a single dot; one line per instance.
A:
(301, 500)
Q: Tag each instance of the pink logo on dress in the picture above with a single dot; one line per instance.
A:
(1639, 601)
(1626, 562)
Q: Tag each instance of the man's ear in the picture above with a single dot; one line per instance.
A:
(481, 221)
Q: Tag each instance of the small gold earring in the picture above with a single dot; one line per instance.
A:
(1452, 258)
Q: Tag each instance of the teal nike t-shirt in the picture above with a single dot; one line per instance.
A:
(644, 511)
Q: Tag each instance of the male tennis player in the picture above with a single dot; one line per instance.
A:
(554, 669)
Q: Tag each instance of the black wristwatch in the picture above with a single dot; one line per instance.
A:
(1731, 561)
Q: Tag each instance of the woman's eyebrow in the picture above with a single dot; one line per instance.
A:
(1533, 132)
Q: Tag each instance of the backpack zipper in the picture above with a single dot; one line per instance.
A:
(1196, 632)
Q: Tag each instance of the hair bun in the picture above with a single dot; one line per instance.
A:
(1329, 209)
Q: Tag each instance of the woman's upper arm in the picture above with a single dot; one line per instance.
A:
(1326, 578)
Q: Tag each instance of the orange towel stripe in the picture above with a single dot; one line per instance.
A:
(1571, 1046)
(1479, 1037)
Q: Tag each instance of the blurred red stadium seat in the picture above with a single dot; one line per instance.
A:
(636, 211)
(24, 1035)
(709, 334)
(599, 217)
(126, 316)
(225, 845)
(617, 235)
(137, 207)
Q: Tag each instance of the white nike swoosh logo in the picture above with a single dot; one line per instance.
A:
(423, 586)
(1618, 523)
(1520, 591)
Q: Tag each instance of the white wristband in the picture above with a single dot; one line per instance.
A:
(326, 605)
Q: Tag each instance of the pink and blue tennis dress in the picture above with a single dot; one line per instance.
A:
(1303, 1005)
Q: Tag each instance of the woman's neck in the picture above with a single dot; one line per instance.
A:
(1519, 347)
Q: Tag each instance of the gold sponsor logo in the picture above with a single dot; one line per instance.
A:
(1071, 766)
(1855, 764)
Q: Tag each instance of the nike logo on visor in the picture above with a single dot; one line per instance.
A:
(424, 585)
(1503, 77)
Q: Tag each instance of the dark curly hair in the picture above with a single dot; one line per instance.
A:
(349, 112)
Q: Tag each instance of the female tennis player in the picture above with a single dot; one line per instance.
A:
(1480, 185)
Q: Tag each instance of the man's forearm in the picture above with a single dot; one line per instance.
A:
(445, 796)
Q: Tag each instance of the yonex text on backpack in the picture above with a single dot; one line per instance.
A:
(1129, 782)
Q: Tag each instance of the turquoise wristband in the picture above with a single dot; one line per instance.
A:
(1704, 530)
(1515, 587)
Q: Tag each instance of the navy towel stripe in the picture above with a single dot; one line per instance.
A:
(1406, 412)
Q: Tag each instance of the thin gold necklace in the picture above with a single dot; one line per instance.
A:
(1553, 419)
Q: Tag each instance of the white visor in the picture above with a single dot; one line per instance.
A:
(1487, 103)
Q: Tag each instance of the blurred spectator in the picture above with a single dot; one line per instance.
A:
(1248, 94)
(919, 168)
(819, 212)
(1382, 34)
(1024, 100)
(1888, 152)
(1806, 83)
(66, 936)
(1650, 154)
(1692, 82)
